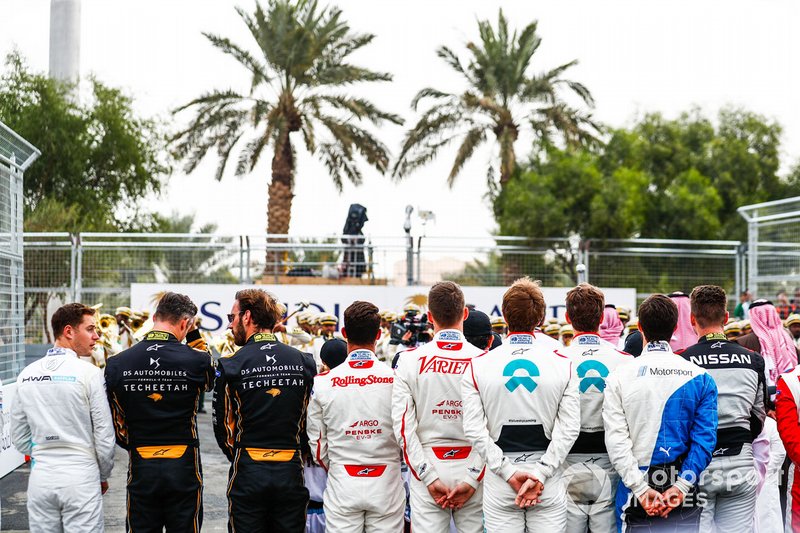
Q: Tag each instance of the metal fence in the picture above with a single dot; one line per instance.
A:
(99, 267)
(773, 235)
(16, 155)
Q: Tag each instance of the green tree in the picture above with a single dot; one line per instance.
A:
(299, 74)
(99, 159)
(677, 178)
(699, 173)
(503, 96)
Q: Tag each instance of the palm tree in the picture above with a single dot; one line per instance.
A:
(502, 97)
(297, 79)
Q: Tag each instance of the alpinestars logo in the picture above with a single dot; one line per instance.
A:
(450, 453)
(720, 451)
(154, 347)
(267, 346)
(523, 458)
(156, 360)
(365, 471)
(717, 345)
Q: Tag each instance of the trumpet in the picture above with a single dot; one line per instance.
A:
(136, 322)
(107, 325)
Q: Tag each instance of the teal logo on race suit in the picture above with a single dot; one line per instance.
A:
(599, 381)
(524, 381)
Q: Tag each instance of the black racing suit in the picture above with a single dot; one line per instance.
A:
(259, 410)
(728, 485)
(154, 389)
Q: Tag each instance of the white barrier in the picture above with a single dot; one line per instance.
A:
(214, 301)
(10, 458)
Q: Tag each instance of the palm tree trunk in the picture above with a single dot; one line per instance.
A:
(507, 135)
(279, 203)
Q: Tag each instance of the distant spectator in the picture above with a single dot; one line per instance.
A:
(793, 325)
(783, 306)
(611, 327)
(684, 335)
(770, 339)
(742, 310)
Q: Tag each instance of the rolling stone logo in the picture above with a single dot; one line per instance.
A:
(364, 430)
(361, 382)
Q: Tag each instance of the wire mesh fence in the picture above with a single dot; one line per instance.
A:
(100, 267)
(15, 156)
(774, 242)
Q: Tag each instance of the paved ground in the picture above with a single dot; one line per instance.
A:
(215, 475)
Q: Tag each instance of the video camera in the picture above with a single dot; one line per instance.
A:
(413, 322)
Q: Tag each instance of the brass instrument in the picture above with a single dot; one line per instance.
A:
(302, 306)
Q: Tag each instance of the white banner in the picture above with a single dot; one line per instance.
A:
(215, 301)
(10, 458)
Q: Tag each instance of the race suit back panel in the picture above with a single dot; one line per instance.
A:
(154, 388)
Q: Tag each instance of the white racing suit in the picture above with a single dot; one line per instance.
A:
(61, 418)
(590, 478)
(522, 413)
(729, 484)
(660, 417)
(769, 457)
(350, 434)
(427, 417)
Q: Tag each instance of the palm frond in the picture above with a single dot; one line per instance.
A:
(472, 140)
(361, 108)
(428, 92)
(244, 57)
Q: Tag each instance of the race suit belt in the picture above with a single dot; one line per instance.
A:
(451, 453)
(522, 438)
(731, 440)
(162, 452)
(365, 470)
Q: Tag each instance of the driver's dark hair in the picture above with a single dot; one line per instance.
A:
(69, 315)
(446, 304)
(362, 322)
(265, 310)
(709, 304)
(480, 341)
(174, 307)
(658, 318)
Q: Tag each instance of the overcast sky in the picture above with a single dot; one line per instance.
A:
(634, 56)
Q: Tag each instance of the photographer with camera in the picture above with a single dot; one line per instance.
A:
(409, 331)
(427, 418)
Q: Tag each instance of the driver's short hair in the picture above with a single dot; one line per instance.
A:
(69, 315)
(174, 307)
(446, 304)
(523, 305)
